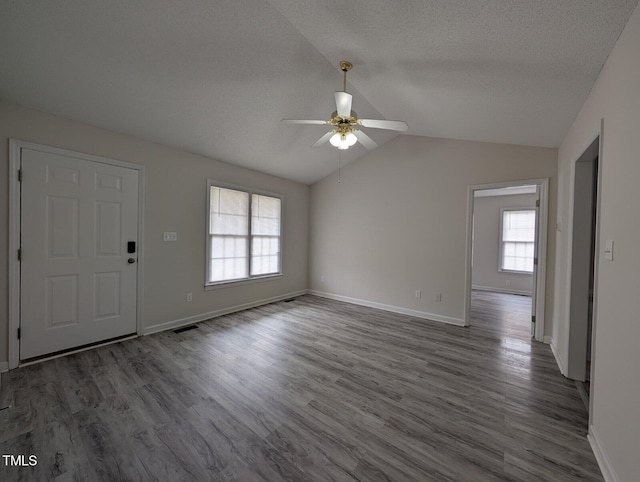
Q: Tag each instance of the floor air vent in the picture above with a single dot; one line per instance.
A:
(185, 328)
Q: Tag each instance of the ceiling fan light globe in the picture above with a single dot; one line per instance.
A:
(351, 139)
(335, 140)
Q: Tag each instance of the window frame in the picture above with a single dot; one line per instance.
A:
(249, 279)
(501, 241)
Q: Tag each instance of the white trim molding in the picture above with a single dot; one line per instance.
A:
(190, 320)
(541, 242)
(394, 309)
(4, 367)
(559, 362)
(601, 457)
(501, 290)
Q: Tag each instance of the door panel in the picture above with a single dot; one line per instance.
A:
(534, 287)
(76, 285)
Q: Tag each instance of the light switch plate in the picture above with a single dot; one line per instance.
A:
(608, 250)
(170, 236)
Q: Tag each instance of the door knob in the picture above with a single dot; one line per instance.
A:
(131, 260)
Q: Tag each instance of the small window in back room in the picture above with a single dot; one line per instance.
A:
(517, 245)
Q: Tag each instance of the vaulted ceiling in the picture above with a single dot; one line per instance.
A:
(216, 77)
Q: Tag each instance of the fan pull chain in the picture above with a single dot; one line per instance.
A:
(339, 166)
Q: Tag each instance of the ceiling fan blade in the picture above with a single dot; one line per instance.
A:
(343, 103)
(365, 140)
(302, 121)
(385, 124)
(323, 139)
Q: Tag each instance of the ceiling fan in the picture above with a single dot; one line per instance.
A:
(346, 125)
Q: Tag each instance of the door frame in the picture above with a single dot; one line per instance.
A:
(15, 148)
(541, 241)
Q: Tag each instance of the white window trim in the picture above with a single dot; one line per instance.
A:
(250, 279)
(501, 242)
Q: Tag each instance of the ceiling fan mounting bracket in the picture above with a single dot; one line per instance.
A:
(345, 65)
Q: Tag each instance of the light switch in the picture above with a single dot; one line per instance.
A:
(608, 250)
(170, 236)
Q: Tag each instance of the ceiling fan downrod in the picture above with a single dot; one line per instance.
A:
(345, 66)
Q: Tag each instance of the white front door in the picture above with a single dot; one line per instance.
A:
(78, 280)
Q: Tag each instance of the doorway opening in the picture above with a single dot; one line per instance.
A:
(506, 250)
(583, 265)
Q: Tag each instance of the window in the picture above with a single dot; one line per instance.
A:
(518, 231)
(244, 234)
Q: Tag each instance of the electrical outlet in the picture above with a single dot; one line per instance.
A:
(439, 297)
(418, 294)
(189, 296)
(508, 282)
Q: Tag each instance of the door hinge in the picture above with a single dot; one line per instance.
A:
(19, 254)
(535, 261)
(19, 332)
(533, 318)
(537, 203)
(19, 175)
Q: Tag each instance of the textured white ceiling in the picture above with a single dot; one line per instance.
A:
(215, 78)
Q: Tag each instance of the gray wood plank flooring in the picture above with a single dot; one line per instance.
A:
(312, 390)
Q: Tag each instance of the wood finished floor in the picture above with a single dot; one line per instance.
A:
(307, 390)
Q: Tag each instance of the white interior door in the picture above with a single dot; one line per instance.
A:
(78, 281)
(534, 280)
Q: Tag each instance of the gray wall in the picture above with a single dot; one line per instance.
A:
(397, 222)
(175, 201)
(615, 385)
(486, 245)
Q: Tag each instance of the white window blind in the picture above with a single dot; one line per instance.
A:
(229, 230)
(244, 235)
(518, 238)
(265, 234)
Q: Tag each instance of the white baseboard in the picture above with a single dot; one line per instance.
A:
(189, 320)
(601, 457)
(4, 367)
(395, 309)
(559, 361)
(547, 340)
(500, 290)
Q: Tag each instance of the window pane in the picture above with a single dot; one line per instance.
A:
(265, 231)
(229, 211)
(518, 257)
(265, 255)
(265, 245)
(265, 215)
(518, 225)
(264, 265)
(509, 249)
(225, 269)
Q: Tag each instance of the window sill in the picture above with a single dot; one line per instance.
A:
(241, 282)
